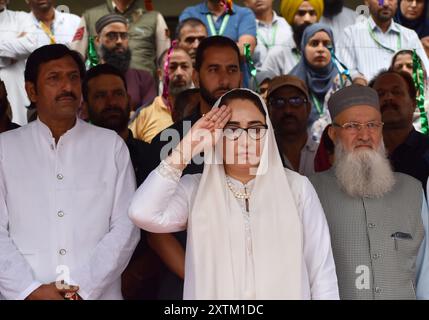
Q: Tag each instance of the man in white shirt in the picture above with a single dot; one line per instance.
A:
(271, 30)
(28, 31)
(368, 46)
(71, 226)
(338, 17)
(14, 43)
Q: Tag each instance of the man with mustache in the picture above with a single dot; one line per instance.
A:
(408, 149)
(71, 235)
(289, 108)
(156, 117)
(217, 70)
(378, 219)
(104, 91)
(369, 45)
(337, 16)
(112, 46)
(299, 14)
(149, 35)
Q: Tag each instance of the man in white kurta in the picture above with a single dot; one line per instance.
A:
(20, 34)
(64, 200)
(13, 44)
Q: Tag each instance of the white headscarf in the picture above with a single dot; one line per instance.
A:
(216, 234)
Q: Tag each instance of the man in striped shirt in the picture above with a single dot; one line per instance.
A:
(369, 45)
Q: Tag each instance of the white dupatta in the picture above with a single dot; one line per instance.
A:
(215, 264)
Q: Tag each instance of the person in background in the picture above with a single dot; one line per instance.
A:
(21, 35)
(156, 117)
(299, 14)
(237, 23)
(413, 14)
(319, 71)
(263, 79)
(186, 104)
(369, 45)
(104, 91)
(337, 17)
(189, 33)
(148, 33)
(289, 108)
(272, 30)
(112, 42)
(407, 148)
(403, 61)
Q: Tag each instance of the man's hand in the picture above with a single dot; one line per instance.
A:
(51, 292)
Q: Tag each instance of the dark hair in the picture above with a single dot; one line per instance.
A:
(98, 71)
(214, 41)
(49, 53)
(243, 94)
(161, 57)
(192, 22)
(182, 105)
(412, 91)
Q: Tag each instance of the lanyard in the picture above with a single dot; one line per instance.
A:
(317, 104)
(212, 27)
(273, 37)
(48, 32)
(374, 37)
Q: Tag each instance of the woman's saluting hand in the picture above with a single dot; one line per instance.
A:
(204, 133)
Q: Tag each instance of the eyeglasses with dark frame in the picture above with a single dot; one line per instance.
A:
(354, 127)
(114, 36)
(279, 102)
(254, 132)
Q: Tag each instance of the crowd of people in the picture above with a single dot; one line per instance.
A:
(251, 154)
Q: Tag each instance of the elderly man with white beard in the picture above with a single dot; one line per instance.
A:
(378, 219)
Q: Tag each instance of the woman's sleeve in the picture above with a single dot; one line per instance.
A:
(161, 203)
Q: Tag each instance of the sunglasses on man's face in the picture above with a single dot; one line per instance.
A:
(280, 102)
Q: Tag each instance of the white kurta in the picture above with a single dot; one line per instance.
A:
(162, 205)
(63, 210)
(16, 48)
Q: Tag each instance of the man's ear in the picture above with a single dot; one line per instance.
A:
(30, 87)
(196, 78)
(97, 40)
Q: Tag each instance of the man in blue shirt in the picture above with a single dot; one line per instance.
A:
(238, 25)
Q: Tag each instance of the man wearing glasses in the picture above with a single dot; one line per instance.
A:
(289, 109)
(378, 219)
(408, 149)
(113, 48)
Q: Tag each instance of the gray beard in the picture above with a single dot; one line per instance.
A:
(363, 173)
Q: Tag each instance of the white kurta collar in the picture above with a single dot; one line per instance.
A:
(46, 134)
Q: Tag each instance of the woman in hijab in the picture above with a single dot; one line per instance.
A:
(320, 72)
(412, 14)
(255, 229)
